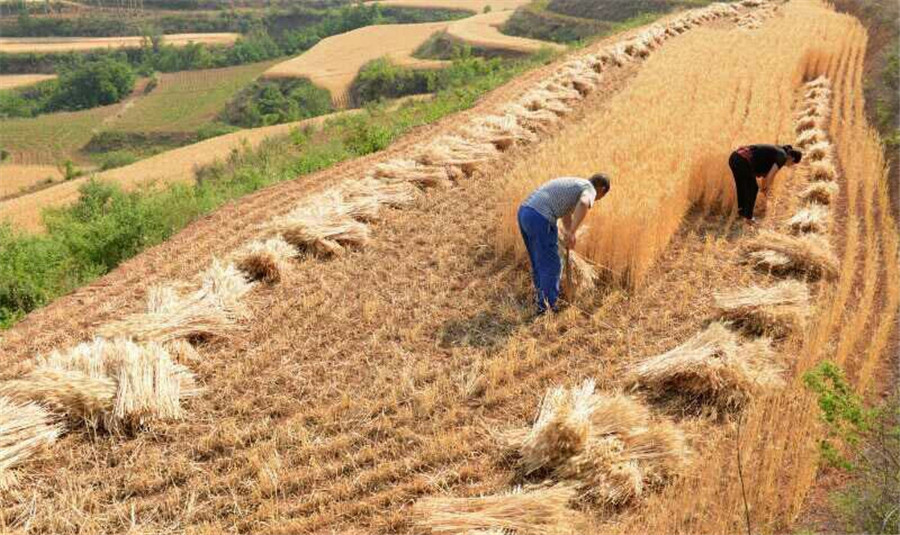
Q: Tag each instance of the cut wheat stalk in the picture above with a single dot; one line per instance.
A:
(810, 137)
(819, 152)
(774, 311)
(265, 260)
(538, 511)
(538, 99)
(187, 318)
(358, 195)
(535, 120)
(561, 429)
(820, 193)
(25, 429)
(319, 226)
(457, 151)
(116, 384)
(808, 254)
(766, 259)
(710, 368)
(502, 131)
(224, 284)
(806, 123)
(813, 218)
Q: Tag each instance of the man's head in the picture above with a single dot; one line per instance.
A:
(794, 155)
(601, 184)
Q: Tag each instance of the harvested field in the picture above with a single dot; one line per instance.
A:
(43, 45)
(370, 382)
(469, 5)
(483, 31)
(14, 179)
(178, 165)
(334, 61)
(11, 81)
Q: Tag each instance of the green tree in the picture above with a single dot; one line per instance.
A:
(99, 83)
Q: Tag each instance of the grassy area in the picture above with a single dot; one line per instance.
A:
(108, 226)
(185, 101)
(53, 137)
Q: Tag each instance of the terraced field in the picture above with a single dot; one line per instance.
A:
(41, 45)
(11, 81)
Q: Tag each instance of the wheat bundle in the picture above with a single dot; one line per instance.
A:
(503, 131)
(561, 92)
(636, 49)
(821, 82)
(538, 511)
(806, 123)
(539, 99)
(769, 260)
(813, 218)
(583, 272)
(603, 474)
(822, 171)
(187, 317)
(365, 197)
(711, 367)
(810, 137)
(561, 429)
(72, 392)
(820, 152)
(820, 193)
(534, 120)
(25, 428)
(324, 229)
(182, 351)
(777, 310)
(660, 449)
(264, 260)
(821, 94)
(457, 151)
(808, 254)
(146, 384)
(225, 285)
(410, 171)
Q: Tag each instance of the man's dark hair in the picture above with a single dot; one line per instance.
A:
(795, 154)
(600, 181)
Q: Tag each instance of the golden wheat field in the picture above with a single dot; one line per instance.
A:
(11, 81)
(334, 62)
(38, 45)
(354, 351)
(14, 178)
(478, 6)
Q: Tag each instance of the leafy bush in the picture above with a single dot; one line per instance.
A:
(268, 102)
(119, 158)
(382, 78)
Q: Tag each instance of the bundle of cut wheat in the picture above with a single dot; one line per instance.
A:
(25, 428)
(818, 94)
(820, 82)
(809, 253)
(561, 92)
(184, 317)
(604, 474)
(365, 197)
(534, 120)
(820, 151)
(777, 310)
(810, 137)
(117, 384)
(561, 429)
(583, 272)
(636, 49)
(538, 99)
(711, 367)
(822, 171)
(537, 511)
(813, 218)
(410, 171)
(806, 123)
(501, 130)
(225, 285)
(660, 450)
(264, 260)
(181, 351)
(766, 259)
(820, 192)
(320, 226)
(457, 151)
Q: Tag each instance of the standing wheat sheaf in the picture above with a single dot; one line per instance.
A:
(25, 429)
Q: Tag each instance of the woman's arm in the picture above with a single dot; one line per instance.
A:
(769, 180)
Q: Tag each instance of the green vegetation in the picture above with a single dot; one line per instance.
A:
(108, 226)
(268, 102)
(864, 442)
(82, 86)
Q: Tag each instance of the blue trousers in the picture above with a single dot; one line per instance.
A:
(540, 236)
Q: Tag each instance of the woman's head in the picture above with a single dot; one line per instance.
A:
(794, 155)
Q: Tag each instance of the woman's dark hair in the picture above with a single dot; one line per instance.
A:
(600, 181)
(795, 154)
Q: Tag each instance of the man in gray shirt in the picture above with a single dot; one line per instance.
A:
(565, 198)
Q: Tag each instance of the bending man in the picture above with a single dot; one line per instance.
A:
(753, 161)
(568, 199)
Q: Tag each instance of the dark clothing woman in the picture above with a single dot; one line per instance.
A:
(750, 162)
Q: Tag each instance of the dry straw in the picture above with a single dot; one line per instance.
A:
(537, 511)
(25, 429)
(769, 260)
(534, 120)
(808, 254)
(820, 151)
(457, 151)
(820, 193)
(115, 384)
(710, 368)
(265, 260)
(775, 311)
(813, 218)
(810, 137)
(539, 99)
(503, 131)
(561, 429)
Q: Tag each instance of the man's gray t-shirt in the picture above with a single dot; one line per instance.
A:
(558, 197)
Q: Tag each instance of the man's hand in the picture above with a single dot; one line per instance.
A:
(569, 239)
